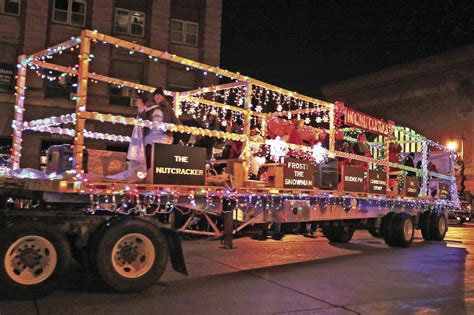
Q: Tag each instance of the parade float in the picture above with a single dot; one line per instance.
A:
(297, 160)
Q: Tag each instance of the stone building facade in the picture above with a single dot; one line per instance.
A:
(434, 96)
(189, 28)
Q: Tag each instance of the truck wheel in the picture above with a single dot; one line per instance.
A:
(438, 226)
(387, 226)
(424, 225)
(338, 233)
(433, 225)
(131, 255)
(399, 230)
(93, 242)
(34, 257)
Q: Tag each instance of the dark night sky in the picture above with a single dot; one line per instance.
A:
(303, 44)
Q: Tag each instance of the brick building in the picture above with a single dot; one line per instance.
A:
(434, 96)
(189, 28)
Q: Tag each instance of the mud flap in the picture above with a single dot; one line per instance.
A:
(176, 250)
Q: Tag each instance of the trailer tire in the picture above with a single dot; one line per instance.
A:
(387, 226)
(131, 255)
(399, 230)
(38, 248)
(338, 233)
(93, 242)
(433, 225)
(438, 226)
(424, 225)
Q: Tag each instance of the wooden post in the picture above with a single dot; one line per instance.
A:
(264, 126)
(332, 130)
(176, 103)
(424, 168)
(19, 109)
(386, 147)
(247, 122)
(81, 102)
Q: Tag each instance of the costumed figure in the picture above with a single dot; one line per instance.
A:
(139, 150)
(361, 148)
(294, 135)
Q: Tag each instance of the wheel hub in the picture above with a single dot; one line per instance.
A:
(129, 253)
(408, 229)
(442, 226)
(133, 255)
(30, 258)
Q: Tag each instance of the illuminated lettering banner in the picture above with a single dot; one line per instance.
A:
(298, 174)
(179, 165)
(377, 182)
(366, 122)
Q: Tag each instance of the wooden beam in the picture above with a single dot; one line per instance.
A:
(19, 109)
(81, 103)
(247, 127)
(332, 131)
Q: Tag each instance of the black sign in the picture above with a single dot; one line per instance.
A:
(7, 77)
(377, 182)
(353, 179)
(179, 165)
(411, 186)
(443, 191)
(298, 174)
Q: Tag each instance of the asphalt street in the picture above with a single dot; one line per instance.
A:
(296, 275)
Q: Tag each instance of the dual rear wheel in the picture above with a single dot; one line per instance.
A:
(338, 233)
(433, 225)
(398, 228)
(128, 255)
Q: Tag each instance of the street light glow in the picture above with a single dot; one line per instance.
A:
(452, 145)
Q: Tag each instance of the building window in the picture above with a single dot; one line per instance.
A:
(129, 22)
(126, 70)
(11, 7)
(70, 12)
(184, 32)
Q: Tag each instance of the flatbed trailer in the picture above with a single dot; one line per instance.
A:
(126, 232)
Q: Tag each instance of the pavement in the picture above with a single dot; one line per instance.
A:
(296, 275)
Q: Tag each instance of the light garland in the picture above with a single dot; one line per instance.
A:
(162, 126)
(47, 122)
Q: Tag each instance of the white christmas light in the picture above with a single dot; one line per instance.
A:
(319, 153)
(278, 148)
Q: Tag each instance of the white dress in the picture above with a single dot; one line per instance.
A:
(137, 169)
